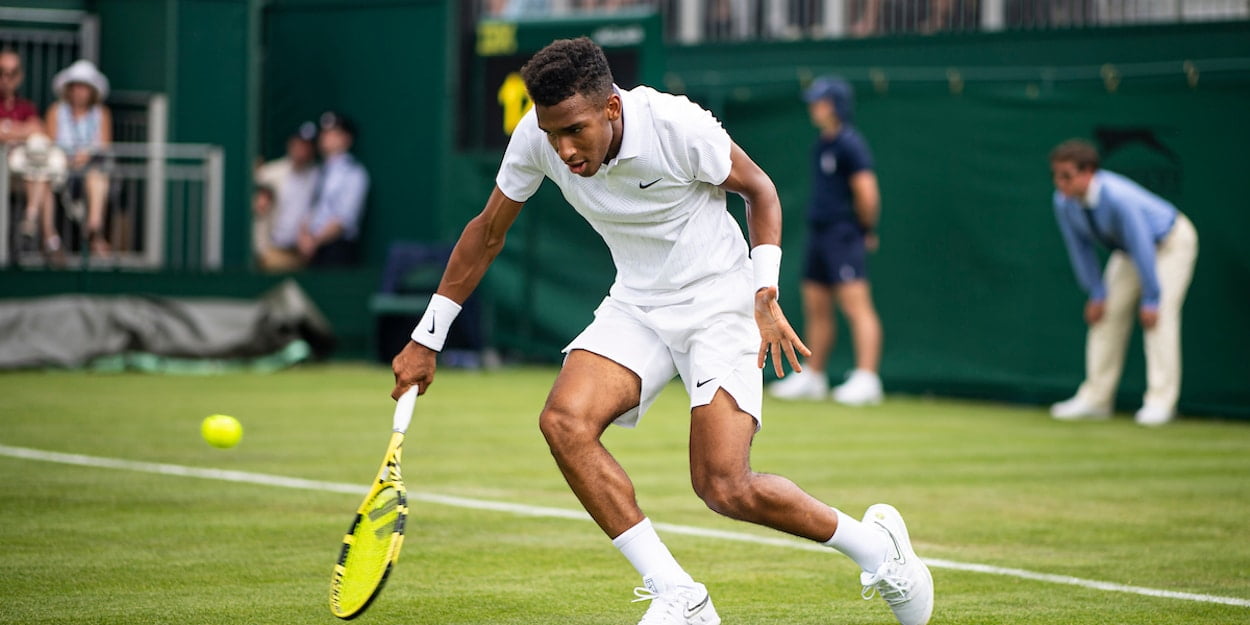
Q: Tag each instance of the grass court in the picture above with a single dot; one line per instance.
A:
(1026, 520)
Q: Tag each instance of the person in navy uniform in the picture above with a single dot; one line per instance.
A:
(842, 219)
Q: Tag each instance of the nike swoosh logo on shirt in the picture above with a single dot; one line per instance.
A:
(700, 384)
(643, 186)
(692, 610)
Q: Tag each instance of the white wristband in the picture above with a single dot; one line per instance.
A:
(432, 330)
(766, 261)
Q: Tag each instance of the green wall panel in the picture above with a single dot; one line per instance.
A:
(135, 43)
(972, 280)
(209, 103)
(62, 5)
(385, 64)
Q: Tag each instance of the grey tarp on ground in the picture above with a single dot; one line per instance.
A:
(72, 330)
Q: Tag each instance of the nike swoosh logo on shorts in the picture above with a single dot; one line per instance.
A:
(643, 186)
(700, 384)
(692, 610)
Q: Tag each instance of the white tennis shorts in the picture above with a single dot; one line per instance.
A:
(710, 340)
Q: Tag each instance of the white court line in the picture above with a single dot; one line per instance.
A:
(560, 513)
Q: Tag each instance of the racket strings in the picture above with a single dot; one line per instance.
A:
(371, 546)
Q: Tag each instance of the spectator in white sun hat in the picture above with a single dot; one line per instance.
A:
(82, 125)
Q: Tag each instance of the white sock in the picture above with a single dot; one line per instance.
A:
(864, 544)
(644, 549)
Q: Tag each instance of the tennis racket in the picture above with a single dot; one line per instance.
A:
(371, 545)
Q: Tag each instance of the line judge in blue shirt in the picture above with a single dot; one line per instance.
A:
(1153, 249)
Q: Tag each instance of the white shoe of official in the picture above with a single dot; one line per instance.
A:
(902, 580)
(1076, 409)
(862, 388)
(1153, 415)
(801, 385)
(679, 605)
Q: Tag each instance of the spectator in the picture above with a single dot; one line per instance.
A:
(515, 9)
(82, 125)
(867, 20)
(878, 17)
(730, 19)
(842, 217)
(19, 121)
(283, 200)
(328, 235)
(43, 167)
(1153, 249)
(941, 15)
(603, 5)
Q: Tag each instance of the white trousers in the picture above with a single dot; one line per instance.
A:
(1107, 340)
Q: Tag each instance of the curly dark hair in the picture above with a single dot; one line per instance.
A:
(567, 67)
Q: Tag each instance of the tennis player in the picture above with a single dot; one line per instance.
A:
(649, 172)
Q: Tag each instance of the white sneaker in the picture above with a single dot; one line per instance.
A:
(1153, 415)
(805, 384)
(902, 580)
(1077, 408)
(679, 605)
(862, 388)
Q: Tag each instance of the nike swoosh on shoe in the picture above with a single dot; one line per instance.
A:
(692, 610)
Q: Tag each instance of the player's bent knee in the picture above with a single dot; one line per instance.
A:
(726, 495)
(561, 428)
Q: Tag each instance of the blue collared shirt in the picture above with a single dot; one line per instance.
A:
(340, 196)
(1119, 214)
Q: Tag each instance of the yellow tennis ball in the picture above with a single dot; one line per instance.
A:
(221, 430)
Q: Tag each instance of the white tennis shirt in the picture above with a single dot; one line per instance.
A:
(656, 205)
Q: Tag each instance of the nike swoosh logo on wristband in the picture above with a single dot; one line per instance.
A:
(433, 314)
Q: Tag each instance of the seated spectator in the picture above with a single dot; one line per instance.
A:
(284, 195)
(19, 120)
(82, 125)
(43, 167)
(328, 236)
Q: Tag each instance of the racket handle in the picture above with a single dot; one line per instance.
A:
(403, 409)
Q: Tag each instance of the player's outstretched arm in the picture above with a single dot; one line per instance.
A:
(757, 190)
(479, 244)
(764, 227)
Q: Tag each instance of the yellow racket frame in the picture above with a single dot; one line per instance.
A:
(353, 589)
